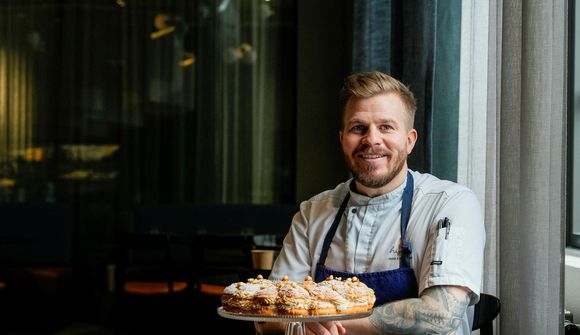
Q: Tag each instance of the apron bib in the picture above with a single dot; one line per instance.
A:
(388, 285)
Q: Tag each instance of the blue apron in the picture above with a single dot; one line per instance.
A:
(388, 285)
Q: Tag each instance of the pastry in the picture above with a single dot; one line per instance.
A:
(293, 299)
(286, 297)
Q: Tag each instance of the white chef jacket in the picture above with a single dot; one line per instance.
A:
(368, 237)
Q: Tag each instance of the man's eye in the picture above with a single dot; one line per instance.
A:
(386, 127)
(358, 129)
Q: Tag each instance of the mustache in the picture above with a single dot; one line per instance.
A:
(371, 151)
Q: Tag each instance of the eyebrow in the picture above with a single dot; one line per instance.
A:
(385, 120)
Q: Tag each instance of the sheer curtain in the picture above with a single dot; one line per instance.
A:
(113, 104)
(17, 106)
(147, 101)
(225, 114)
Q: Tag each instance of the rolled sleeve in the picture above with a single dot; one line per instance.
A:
(454, 254)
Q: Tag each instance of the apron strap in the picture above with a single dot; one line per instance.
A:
(332, 230)
(405, 214)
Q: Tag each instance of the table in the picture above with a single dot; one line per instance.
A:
(296, 324)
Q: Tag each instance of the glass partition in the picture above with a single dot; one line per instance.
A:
(124, 102)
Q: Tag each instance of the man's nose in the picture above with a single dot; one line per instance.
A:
(372, 137)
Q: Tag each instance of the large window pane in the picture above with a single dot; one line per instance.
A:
(126, 102)
(111, 104)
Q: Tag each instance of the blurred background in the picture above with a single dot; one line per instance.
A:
(182, 125)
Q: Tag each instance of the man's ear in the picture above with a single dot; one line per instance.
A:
(411, 140)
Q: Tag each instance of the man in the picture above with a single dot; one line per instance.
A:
(417, 240)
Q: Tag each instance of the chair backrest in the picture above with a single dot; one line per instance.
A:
(36, 234)
(155, 272)
(220, 259)
(486, 310)
(221, 253)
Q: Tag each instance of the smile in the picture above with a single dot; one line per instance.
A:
(369, 156)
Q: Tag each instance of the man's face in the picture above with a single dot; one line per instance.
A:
(376, 141)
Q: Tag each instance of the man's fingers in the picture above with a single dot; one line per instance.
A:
(326, 328)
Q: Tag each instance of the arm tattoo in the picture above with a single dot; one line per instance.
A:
(439, 310)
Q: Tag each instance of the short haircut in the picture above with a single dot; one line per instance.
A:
(369, 84)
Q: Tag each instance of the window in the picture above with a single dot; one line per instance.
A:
(123, 102)
(573, 231)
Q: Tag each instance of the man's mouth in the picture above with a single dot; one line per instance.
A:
(371, 155)
(367, 156)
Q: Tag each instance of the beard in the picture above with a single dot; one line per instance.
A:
(364, 174)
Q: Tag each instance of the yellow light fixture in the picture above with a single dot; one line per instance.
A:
(188, 61)
(7, 182)
(160, 23)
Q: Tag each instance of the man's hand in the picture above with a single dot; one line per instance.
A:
(325, 328)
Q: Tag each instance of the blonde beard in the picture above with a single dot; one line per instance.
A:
(365, 177)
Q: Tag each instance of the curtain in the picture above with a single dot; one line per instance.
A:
(398, 38)
(218, 118)
(532, 166)
(418, 43)
(478, 121)
(147, 101)
(17, 107)
(511, 148)
(526, 163)
(512, 153)
(113, 104)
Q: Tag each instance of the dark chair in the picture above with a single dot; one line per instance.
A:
(146, 265)
(486, 310)
(219, 260)
(220, 256)
(37, 267)
(152, 290)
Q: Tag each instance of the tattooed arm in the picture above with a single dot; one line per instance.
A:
(439, 310)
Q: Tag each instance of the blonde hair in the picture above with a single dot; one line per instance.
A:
(369, 84)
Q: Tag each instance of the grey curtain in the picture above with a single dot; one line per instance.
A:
(530, 53)
(515, 154)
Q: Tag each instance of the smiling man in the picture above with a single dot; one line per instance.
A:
(418, 241)
(376, 138)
